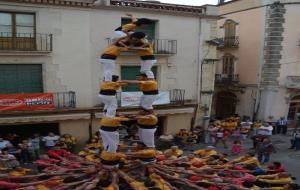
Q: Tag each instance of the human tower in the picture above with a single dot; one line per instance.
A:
(127, 39)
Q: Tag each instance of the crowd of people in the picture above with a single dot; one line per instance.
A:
(15, 149)
(171, 170)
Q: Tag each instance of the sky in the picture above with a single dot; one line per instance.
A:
(190, 2)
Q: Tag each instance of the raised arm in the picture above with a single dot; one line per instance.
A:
(133, 19)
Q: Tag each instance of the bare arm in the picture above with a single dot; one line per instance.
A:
(133, 19)
(131, 81)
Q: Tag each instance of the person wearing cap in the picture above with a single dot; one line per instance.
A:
(107, 94)
(149, 87)
(109, 132)
(129, 28)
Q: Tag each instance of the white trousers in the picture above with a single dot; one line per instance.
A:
(147, 137)
(146, 66)
(147, 101)
(110, 140)
(108, 66)
(110, 104)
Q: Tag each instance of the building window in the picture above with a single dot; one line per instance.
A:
(230, 39)
(294, 109)
(149, 30)
(229, 28)
(17, 30)
(21, 78)
(130, 73)
(228, 64)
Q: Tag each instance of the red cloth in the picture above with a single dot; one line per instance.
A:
(58, 153)
(46, 162)
(195, 178)
(277, 170)
(213, 188)
(161, 158)
(236, 149)
(8, 185)
(226, 134)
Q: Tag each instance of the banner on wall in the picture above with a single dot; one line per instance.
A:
(132, 99)
(32, 101)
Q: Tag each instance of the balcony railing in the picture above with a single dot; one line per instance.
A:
(227, 79)
(177, 97)
(65, 100)
(229, 42)
(160, 46)
(25, 42)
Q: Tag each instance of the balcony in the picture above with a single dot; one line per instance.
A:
(25, 42)
(228, 42)
(63, 100)
(160, 47)
(224, 79)
(174, 97)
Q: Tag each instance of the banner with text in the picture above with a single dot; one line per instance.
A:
(32, 101)
(132, 99)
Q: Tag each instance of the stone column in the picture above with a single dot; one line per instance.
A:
(269, 83)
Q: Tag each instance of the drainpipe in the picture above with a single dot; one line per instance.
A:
(199, 66)
(198, 75)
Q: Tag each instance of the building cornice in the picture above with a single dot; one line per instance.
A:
(132, 5)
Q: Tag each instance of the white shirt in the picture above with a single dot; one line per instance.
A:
(265, 130)
(50, 141)
(246, 125)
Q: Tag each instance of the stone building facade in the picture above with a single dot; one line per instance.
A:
(264, 64)
(60, 52)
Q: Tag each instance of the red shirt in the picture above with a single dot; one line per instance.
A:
(8, 185)
(277, 170)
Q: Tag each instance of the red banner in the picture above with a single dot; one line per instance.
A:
(35, 101)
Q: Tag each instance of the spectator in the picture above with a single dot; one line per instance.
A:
(257, 124)
(199, 132)
(222, 135)
(4, 143)
(50, 140)
(295, 141)
(13, 138)
(26, 151)
(265, 130)
(236, 148)
(281, 126)
(212, 130)
(264, 150)
(245, 128)
(7, 160)
(35, 141)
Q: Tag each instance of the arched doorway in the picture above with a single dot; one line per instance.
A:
(225, 104)
(294, 108)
